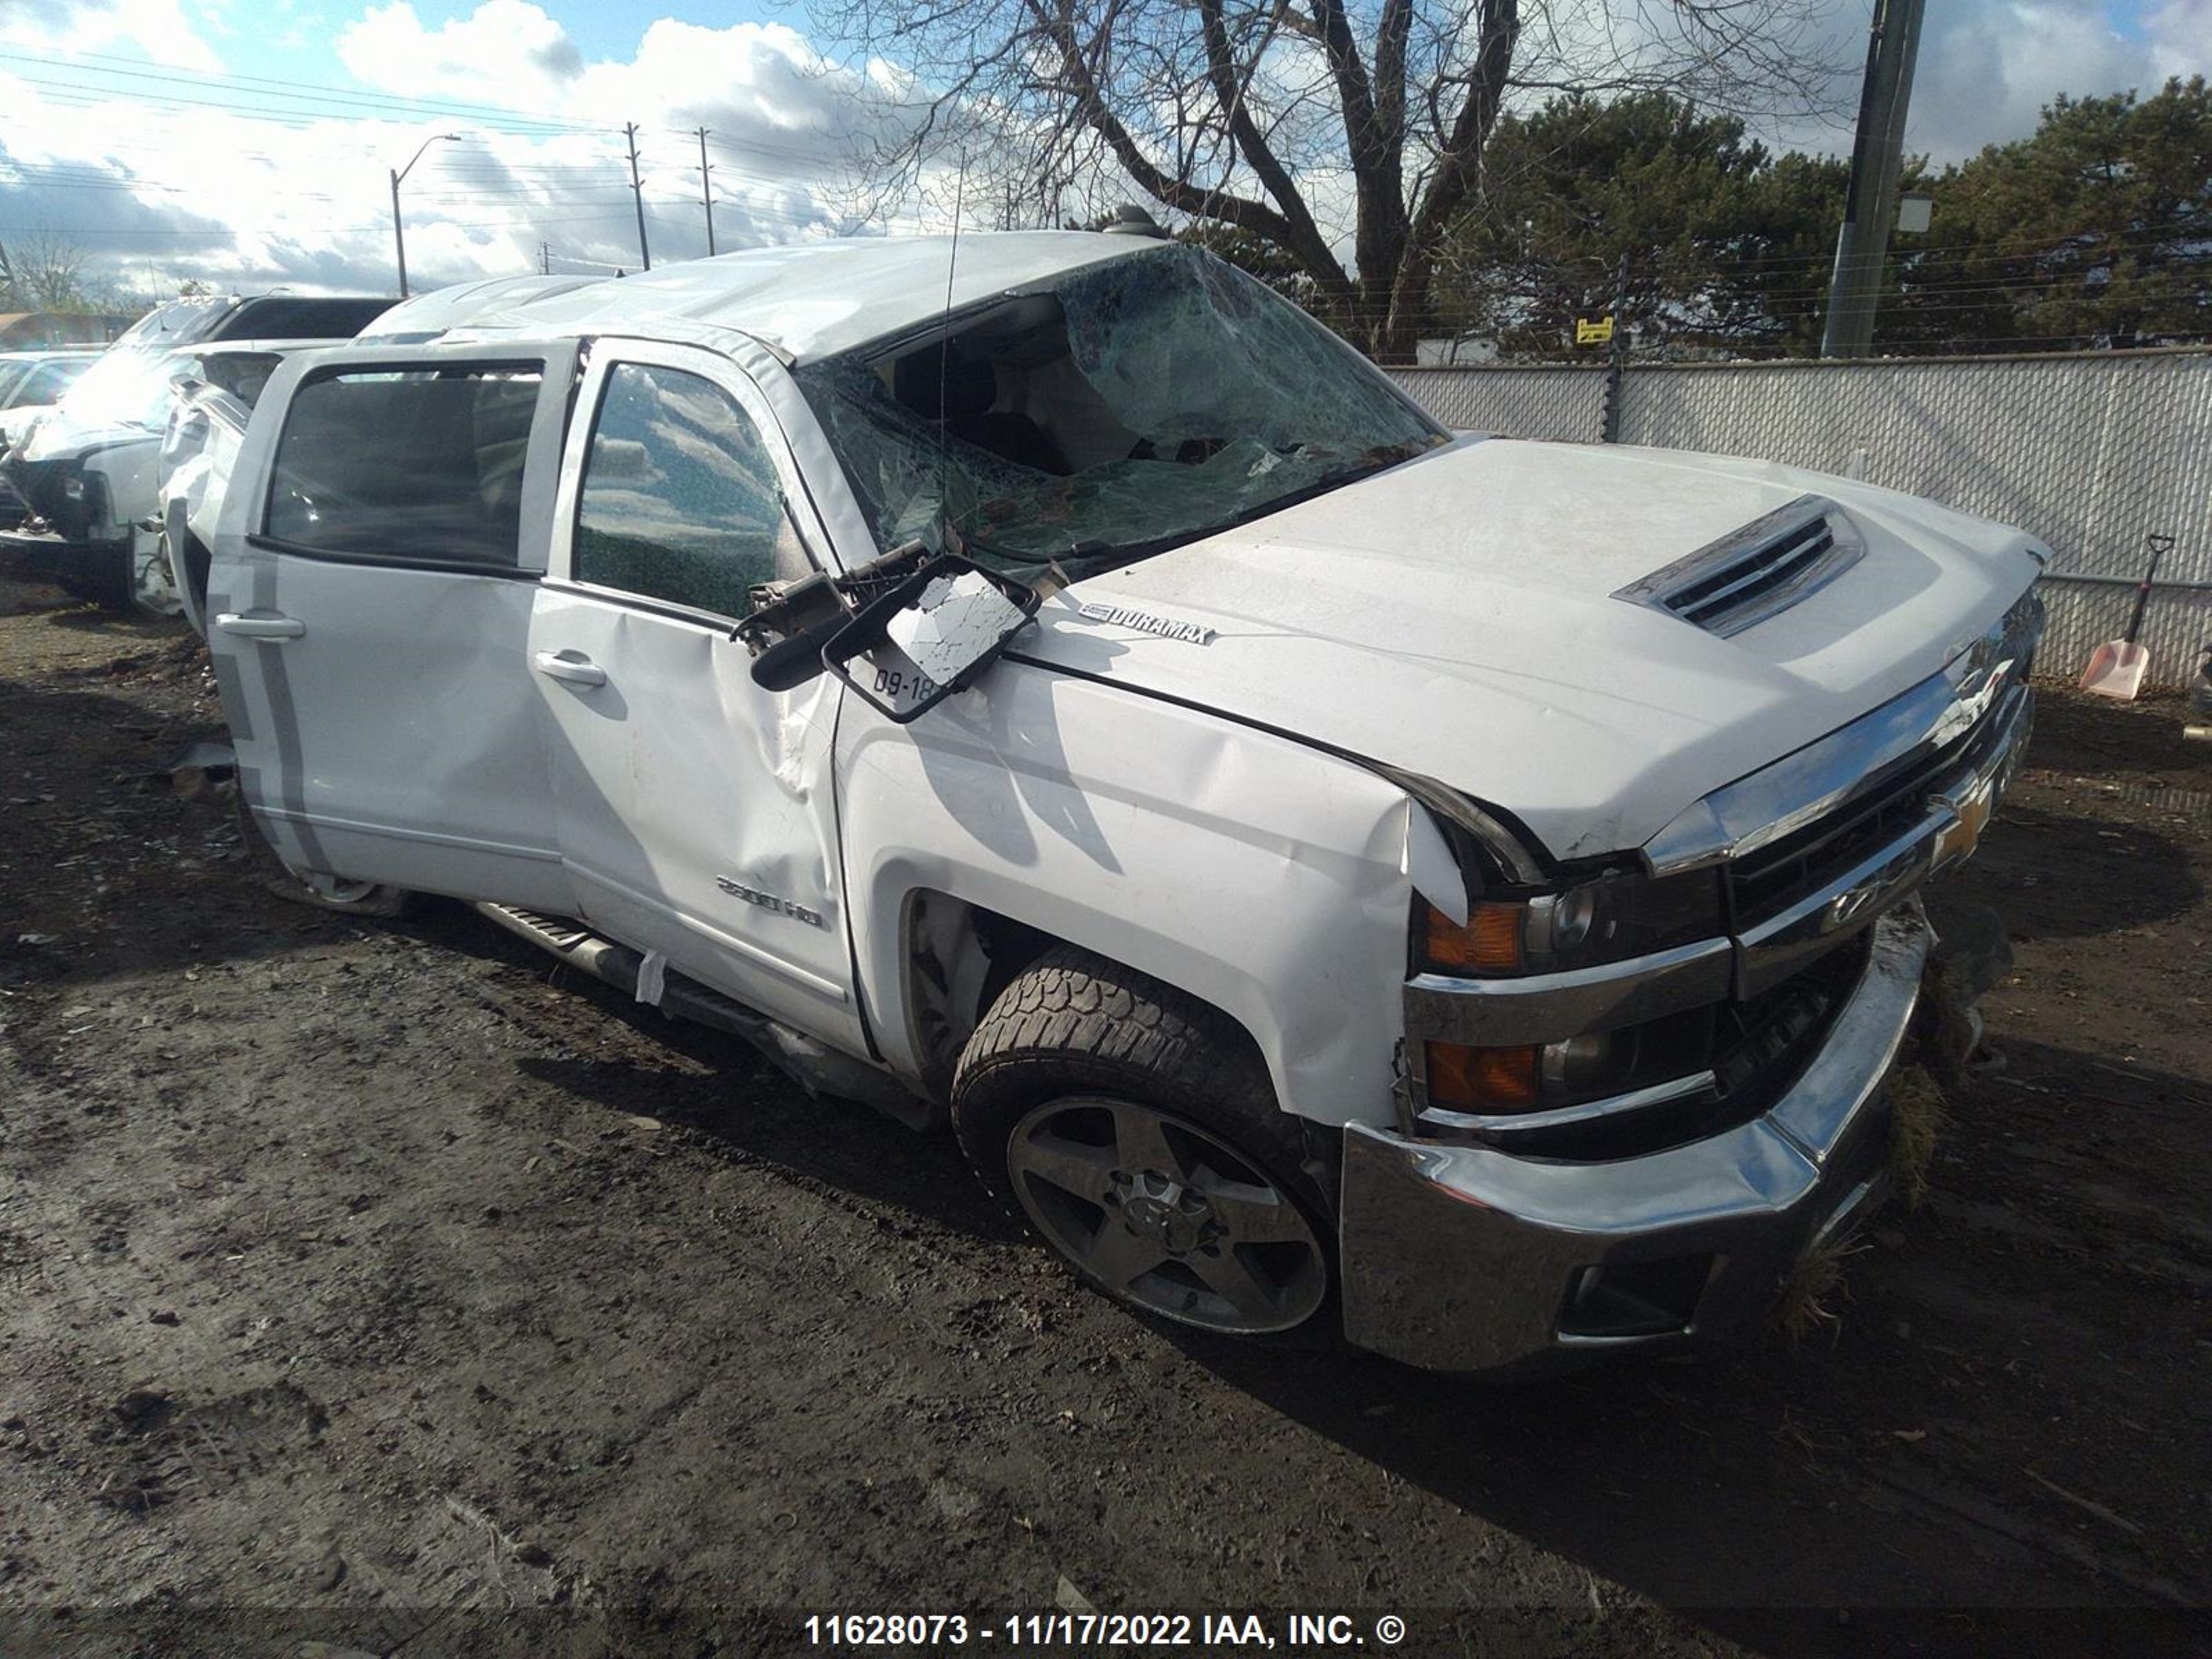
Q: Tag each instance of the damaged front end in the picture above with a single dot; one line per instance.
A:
(66, 533)
(1621, 1128)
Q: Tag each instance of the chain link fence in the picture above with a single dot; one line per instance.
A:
(2091, 453)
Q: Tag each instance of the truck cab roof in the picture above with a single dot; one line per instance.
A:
(807, 301)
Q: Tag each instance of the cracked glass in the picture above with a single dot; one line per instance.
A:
(1131, 406)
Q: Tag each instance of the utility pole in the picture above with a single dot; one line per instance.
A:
(1616, 356)
(637, 190)
(1877, 160)
(545, 258)
(707, 192)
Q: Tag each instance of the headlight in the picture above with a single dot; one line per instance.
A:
(1610, 918)
(1532, 1078)
(1607, 919)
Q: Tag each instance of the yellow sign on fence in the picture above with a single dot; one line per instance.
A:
(1588, 333)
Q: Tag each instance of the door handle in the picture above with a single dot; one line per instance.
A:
(576, 671)
(261, 627)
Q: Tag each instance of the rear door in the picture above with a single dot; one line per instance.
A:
(369, 608)
(696, 810)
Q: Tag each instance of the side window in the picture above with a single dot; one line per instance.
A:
(406, 464)
(680, 499)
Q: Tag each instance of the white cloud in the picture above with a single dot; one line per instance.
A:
(159, 28)
(189, 190)
(507, 52)
(2180, 35)
(1986, 71)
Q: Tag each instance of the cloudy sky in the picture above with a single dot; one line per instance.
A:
(247, 142)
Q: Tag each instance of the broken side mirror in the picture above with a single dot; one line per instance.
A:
(928, 636)
(924, 626)
(787, 628)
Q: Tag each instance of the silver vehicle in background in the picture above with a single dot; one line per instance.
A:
(85, 470)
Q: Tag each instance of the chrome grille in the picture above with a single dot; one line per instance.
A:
(1754, 573)
(1770, 878)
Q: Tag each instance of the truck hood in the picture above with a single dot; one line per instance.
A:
(1454, 616)
(15, 423)
(56, 436)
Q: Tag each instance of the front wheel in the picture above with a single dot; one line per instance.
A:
(1135, 1130)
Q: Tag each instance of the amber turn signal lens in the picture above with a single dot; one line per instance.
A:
(1489, 942)
(1481, 1079)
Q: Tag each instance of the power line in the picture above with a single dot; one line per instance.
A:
(391, 106)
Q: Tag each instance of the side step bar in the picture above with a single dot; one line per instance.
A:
(815, 1068)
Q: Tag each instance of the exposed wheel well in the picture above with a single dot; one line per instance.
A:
(959, 956)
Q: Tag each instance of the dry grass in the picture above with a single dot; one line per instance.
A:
(1815, 1285)
(1917, 1118)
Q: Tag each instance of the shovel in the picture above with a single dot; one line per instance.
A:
(2118, 666)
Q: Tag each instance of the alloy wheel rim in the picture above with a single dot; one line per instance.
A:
(1166, 1215)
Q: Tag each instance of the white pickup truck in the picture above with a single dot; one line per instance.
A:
(1324, 868)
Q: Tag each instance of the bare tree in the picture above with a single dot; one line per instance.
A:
(43, 270)
(1311, 126)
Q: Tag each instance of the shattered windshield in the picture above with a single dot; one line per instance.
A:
(1135, 405)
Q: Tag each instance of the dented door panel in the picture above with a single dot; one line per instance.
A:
(693, 809)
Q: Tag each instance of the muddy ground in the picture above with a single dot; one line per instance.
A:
(379, 1286)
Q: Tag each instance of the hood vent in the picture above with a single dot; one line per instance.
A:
(1754, 573)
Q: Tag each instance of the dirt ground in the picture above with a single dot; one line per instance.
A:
(380, 1288)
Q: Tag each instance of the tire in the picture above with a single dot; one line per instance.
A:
(1134, 1129)
(352, 898)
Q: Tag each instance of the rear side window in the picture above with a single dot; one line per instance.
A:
(681, 500)
(412, 465)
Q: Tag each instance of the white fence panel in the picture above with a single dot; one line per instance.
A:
(1562, 404)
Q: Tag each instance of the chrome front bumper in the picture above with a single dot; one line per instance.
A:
(1464, 1258)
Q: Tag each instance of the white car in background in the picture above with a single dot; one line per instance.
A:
(85, 470)
(41, 376)
(1320, 867)
(30, 384)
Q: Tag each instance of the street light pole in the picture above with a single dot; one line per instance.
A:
(398, 235)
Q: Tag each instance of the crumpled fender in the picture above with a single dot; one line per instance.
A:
(1264, 876)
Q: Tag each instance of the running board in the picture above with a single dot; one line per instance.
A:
(815, 1068)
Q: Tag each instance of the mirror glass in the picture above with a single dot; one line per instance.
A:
(954, 623)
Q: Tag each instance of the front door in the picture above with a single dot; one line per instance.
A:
(368, 616)
(694, 810)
